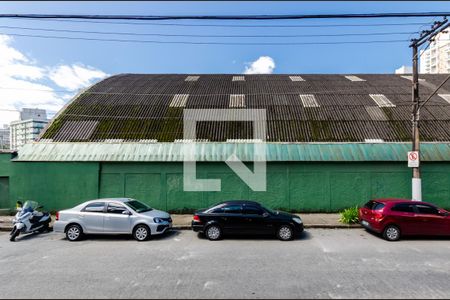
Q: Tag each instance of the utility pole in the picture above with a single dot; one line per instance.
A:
(425, 36)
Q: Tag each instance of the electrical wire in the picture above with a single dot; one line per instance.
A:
(206, 36)
(229, 17)
(232, 25)
(205, 43)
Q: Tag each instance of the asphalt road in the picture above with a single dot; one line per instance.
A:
(322, 263)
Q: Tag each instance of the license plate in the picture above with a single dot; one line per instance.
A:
(365, 223)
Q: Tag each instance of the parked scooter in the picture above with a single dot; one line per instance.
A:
(28, 219)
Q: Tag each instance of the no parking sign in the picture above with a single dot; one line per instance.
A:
(413, 159)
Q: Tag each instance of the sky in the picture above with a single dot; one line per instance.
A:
(46, 73)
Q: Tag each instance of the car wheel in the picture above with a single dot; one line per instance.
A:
(213, 232)
(74, 232)
(391, 233)
(285, 233)
(141, 233)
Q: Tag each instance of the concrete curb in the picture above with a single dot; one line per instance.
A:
(188, 227)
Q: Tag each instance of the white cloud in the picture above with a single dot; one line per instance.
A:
(23, 83)
(263, 65)
(75, 77)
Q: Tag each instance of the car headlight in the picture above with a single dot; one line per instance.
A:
(297, 220)
(157, 220)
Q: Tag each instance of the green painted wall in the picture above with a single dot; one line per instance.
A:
(5, 173)
(55, 185)
(292, 186)
(304, 187)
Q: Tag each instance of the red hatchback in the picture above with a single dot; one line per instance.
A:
(398, 217)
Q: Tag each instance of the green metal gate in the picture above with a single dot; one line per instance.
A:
(4, 192)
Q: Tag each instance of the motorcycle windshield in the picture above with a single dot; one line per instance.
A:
(30, 206)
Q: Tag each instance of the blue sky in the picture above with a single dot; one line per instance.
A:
(85, 62)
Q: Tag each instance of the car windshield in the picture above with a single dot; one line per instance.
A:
(138, 206)
(273, 212)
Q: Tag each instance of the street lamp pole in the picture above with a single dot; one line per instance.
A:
(416, 180)
(425, 36)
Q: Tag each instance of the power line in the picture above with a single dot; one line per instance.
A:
(228, 17)
(233, 25)
(205, 43)
(207, 35)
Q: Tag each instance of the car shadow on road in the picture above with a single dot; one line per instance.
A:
(127, 237)
(413, 237)
(305, 235)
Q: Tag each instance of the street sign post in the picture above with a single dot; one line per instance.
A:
(413, 159)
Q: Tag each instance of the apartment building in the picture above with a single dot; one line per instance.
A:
(436, 59)
(28, 128)
(4, 137)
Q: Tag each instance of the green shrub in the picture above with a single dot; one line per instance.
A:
(349, 215)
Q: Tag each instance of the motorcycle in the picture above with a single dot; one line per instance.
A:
(28, 219)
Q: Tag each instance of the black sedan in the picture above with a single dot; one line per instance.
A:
(245, 217)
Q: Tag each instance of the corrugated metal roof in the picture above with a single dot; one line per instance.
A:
(210, 152)
(134, 107)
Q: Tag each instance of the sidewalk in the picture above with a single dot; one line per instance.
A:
(184, 221)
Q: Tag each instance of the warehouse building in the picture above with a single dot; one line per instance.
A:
(333, 141)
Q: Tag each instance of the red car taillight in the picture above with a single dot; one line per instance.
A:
(378, 215)
(57, 216)
(196, 218)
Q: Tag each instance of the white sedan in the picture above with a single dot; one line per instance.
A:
(112, 216)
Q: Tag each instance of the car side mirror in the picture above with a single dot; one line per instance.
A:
(443, 213)
(126, 212)
(265, 214)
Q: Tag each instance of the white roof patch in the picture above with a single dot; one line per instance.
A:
(179, 100)
(192, 78)
(296, 78)
(238, 78)
(309, 100)
(237, 100)
(244, 140)
(354, 78)
(411, 78)
(446, 97)
(373, 141)
(382, 100)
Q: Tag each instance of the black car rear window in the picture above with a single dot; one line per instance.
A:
(373, 205)
(369, 204)
(377, 206)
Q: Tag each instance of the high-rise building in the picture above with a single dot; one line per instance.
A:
(436, 59)
(404, 70)
(28, 128)
(4, 137)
